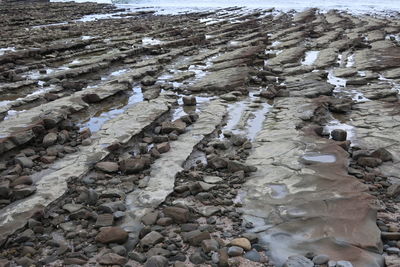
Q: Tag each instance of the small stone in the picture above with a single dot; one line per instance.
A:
(320, 259)
(392, 250)
(339, 135)
(105, 219)
(24, 162)
(86, 142)
(168, 127)
(49, 139)
(253, 255)
(120, 250)
(298, 261)
(163, 147)
(393, 190)
(150, 218)
(343, 264)
(241, 242)
(369, 162)
(136, 256)
(212, 179)
(195, 237)
(165, 221)
(189, 100)
(107, 166)
(70, 207)
(151, 239)
(209, 245)
(235, 251)
(156, 261)
(158, 251)
(179, 215)
(252, 237)
(4, 189)
(148, 80)
(131, 166)
(22, 191)
(382, 154)
(48, 159)
(111, 259)
(112, 235)
(196, 258)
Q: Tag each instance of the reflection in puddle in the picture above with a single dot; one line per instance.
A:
(335, 124)
(150, 41)
(95, 123)
(310, 58)
(316, 157)
(278, 190)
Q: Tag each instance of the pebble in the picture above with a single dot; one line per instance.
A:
(156, 261)
(241, 242)
(253, 255)
(235, 251)
(112, 235)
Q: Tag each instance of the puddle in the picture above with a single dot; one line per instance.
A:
(86, 37)
(6, 49)
(243, 119)
(350, 61)
(95, 123)
(12, 113)
(278, 191)
(94, 17)
(317, 157)
(182, 110)
(336, 81)
(336, 124)
(393, 37)
(239, 197)
(310, 58)
(195, 157)
(151, 41)
(114, 73)
(48, 25)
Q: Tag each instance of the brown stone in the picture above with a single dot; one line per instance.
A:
(241, 242)
(107, 166)
(163, 147)
(130, 166)
(112, 235)
(111, 259)
(369, 162)
(179, 215)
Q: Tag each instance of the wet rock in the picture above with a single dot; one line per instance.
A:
(229, 97)
(112, 235)
(91, 98)
(168, 127)
(163, 147)
(105, 219)
(164, 221)
(111, 259)
(189, 100)
(24, 180)
(253, 255)
(369, 162)
(195, 237)
(235, 251)
(209, 245)
(339, 135)
(130, 166)
(343, 264)
(22, 191)
(4, 188)
(382, 154)
(150, 218)
(269, 93)
(24, 162)
(151, 239)
(49, 139)
(217, 163)
(235, 166)
(196, 258)
(241, 242)
(298, 261)
(136, 256)
(148, 81)
(179, 215)
(393, 190)
(156, 261)
(107, 166)
(320, 259)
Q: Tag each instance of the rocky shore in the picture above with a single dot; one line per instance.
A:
(231, 137)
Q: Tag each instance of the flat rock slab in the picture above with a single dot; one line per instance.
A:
(52, 183)
(163, 171)
(298, 208)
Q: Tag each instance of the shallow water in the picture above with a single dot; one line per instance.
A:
(323, 158)
(176, 6)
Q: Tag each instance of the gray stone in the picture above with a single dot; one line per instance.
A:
(298, 261)
(209, 245)
(195, 237)
(321, 259)
(196, 258)
(339, 135)
(105, 219)
(107, 166)
(120, 250)
(253, 255)
(156, 261)
(179, 215)
(150, 218)
(235, 251)
(189, 100)
(136, 256)
(24, 162)
(151, 239)
(111, 259)
(343, 264)
(49, 139)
